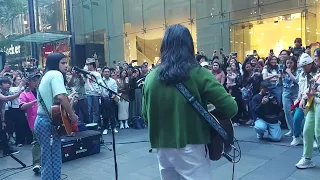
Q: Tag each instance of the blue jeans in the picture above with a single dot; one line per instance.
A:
(277, 92)
(298, 118)
(274, 130)
(93, 109)
(288, 97)
(51, 160)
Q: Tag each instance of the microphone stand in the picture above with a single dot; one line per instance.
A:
(89, 76)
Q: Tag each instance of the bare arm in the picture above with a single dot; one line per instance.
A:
(3, 111)
(27, 105)
(223, 78)
(9, 98)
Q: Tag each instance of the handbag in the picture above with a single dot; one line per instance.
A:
(221, 134)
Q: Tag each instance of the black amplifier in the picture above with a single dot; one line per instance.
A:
(83, 144)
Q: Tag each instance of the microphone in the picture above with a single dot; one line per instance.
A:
(82, 71)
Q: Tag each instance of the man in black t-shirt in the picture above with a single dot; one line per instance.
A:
(267, 110)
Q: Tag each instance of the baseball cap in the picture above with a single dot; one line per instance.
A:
(33, 75)
(203, 64)
(90, 60)
(305, 59)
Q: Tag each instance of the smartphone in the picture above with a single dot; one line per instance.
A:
(236, 54)
(280, 67)
(271, 51)
(256, 70)
(254, 52)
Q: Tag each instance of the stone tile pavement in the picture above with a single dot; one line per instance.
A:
(261, 160)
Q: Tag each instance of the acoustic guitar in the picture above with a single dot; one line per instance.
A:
(61, 118)
(218, 145)
(312, 86)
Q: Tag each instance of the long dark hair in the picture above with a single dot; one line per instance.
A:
(177, 55)
(53, 61)
(271, 67)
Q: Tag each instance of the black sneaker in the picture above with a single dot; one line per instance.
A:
(9, 151)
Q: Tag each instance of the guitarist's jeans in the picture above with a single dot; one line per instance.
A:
(189, 163)
(311, 129)
(51, 160)
(93, 109)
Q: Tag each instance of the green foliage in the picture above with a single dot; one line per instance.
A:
(11, 8)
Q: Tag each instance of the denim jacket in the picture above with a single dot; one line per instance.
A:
(287, 81)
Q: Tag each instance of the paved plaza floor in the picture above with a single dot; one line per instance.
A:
(261, 160)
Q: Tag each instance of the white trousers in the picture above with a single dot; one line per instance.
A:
(189, 163)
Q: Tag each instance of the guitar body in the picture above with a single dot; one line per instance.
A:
(218, 144)
(60, 118)
(308, 106)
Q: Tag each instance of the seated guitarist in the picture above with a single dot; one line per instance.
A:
(176, 129)
(51, 89)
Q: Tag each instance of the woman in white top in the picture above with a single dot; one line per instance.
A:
(16, 116)
(272, 73)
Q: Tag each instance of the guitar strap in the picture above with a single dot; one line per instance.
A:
(45, 108)
(202, 111)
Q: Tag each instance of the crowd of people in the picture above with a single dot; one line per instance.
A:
(19, 104)
(274, 93)
(271, 94)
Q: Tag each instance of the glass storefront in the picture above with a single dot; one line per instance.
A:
(132, 29)
(50, 16)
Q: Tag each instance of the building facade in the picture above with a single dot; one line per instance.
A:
(126, 30)
(50, 16)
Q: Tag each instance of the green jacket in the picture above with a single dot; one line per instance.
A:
(173, 123)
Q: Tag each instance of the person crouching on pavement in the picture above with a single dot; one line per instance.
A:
(267, 111)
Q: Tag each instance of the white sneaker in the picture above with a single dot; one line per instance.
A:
(12, 141)
(288, 134)
(105, 132)
(315, 145)
(305, 163)
(36, 169)
(126, 125)
(115, 130)
(236, 124)
(121, 125)
(296, 141)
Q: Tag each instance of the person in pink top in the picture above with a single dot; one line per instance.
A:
(28, 103)
(218, 73)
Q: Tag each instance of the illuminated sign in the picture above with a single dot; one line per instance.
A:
(12, 50)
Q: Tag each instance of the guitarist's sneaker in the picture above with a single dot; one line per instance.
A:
(36, 169)
(305, 164)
